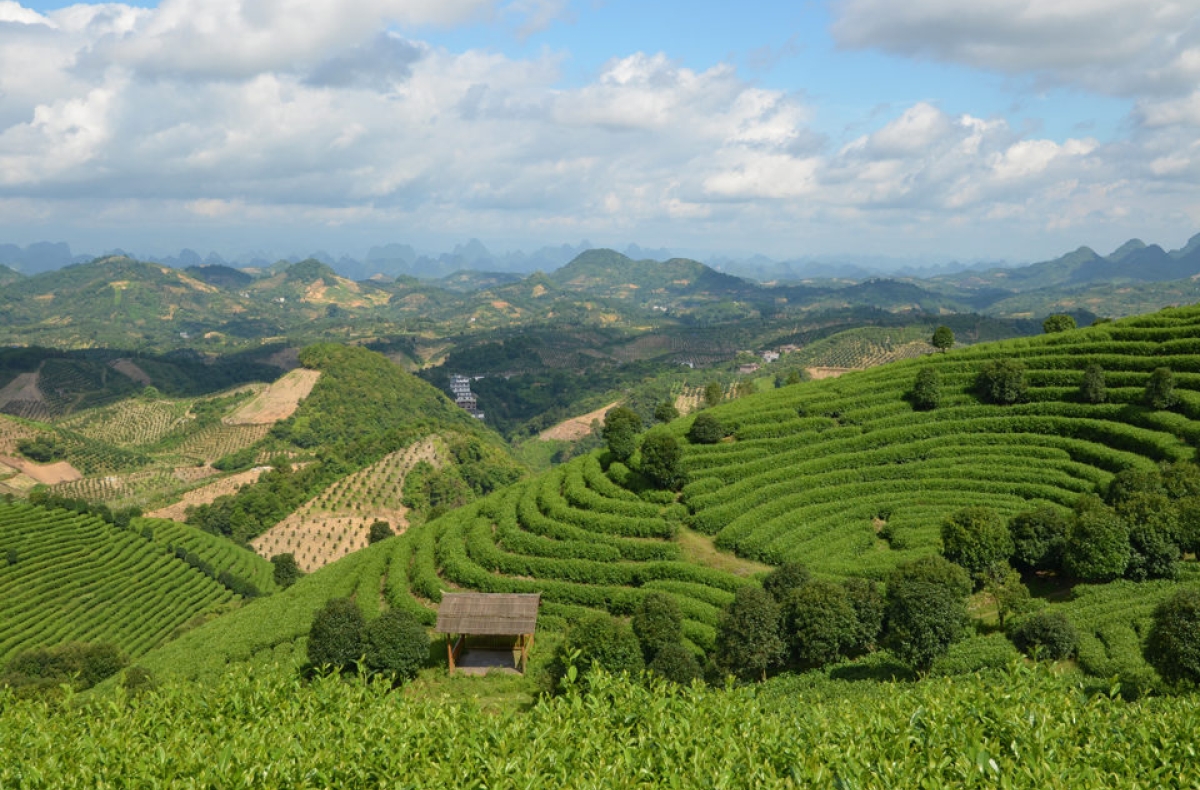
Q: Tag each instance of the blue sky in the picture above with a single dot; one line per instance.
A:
(998, 129)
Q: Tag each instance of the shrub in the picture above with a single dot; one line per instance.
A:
(661, 455)
(621, 427)
(380, 530)
(285, 571)
(666, 411)
(657, 622)
(335, 639)
(706, 429)
(788, 577)
(819, 624)
(1173, 645)
(599, 640)
(1039, 536)
(1160, 389)
(748, 641)
(1002, 382)
(714, 393)
(675, 663)
(396, 644)
(1058, 322)
(80, 664)
(1093, 389)
(926, 609)
(1047, 635)
(977, 539)
(926, 392)
(869, 606)
(1097, 547)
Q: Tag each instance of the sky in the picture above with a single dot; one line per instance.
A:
(926, 129)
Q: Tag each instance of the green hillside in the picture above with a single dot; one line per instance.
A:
(69, 577)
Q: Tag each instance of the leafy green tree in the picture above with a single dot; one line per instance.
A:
(926, 392)
(1153, 552)
(793, 377)
(926, 609)
(714, 393)
(1045, 634)
(380, 530)
(661, 456)
(748, 640)
(820, 626)
(657, 622)
(1160, 389)
(706, 429)
(666, 411)
(1002, 382)
(1005, 587)
(977, 539)
(1132, 482)
(1173, 645)
(335, 639)
(1093, 389)
(1058, 322)
(598, 640)
(396, 644)
(1181, 479)
(869, 606)
(943, 338)
(285, 571)
(80, 665)
(1097, 547)
(782, 581)
(1187, 535)
(621, 427)
(1039, 536)
(675, 663)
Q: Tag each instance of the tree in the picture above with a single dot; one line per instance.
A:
(1039, 536)
(793, 377)
(621, 427)
(335, 639)
(714, 393)
(666, 411)
(286, 571)
(926, 609)
(380, 530)
(1132, 482)
(1058, 322)
(598, 640)
(1173, 645)
(943, 338)
(1002, 382)
(977, 539)
(706, 429)
(1181, 479)
(782, 581)
(396, 644)
(661, 455)
(1047, 635)
(748, 641)
(1160, 389)
(657, 622)
(819, 624)
(1093, 390)
(675, 663)
(926, 392)
(1097, 547)
(1005, 587)
(869, 606)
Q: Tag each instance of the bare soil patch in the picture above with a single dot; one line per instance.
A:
(828, 373)
(278, 401)
(58, 472)
(23, 387)
(575, 428)
(206, 494)
(128, 368)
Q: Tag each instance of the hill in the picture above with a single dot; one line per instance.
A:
(843, 475)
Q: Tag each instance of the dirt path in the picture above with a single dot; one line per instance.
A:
(576, 428)
(278, 401)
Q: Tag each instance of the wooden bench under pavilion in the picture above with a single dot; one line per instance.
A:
(503, 615)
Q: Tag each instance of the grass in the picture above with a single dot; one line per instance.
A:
(700, 549)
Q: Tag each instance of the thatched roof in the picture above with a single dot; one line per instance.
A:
(497, 614)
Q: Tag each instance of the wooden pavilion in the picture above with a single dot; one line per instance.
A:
(505, 616)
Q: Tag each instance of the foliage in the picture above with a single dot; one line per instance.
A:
(1160, 389)
(748, 640)
(785, 579)
(869, 606)
(675, 663)
(1005, 587)
(599, 641)
(1093, 388)
(926, 609)
(1173, 646)
(714, 393)
(820, 625)
(621, 427)
(396, 644)
(943, 338)
(1039, 536)
(380, 530)
(336, 638)
(977, 539)
(42, 449)
(661, 455)
(1002, 382)
(666, 411)
(1058, 322)
(1097, 547)
(706, 429)
(80, 665)
(1045, 634)
(286, 571)
(926, 391)
(657, 622)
